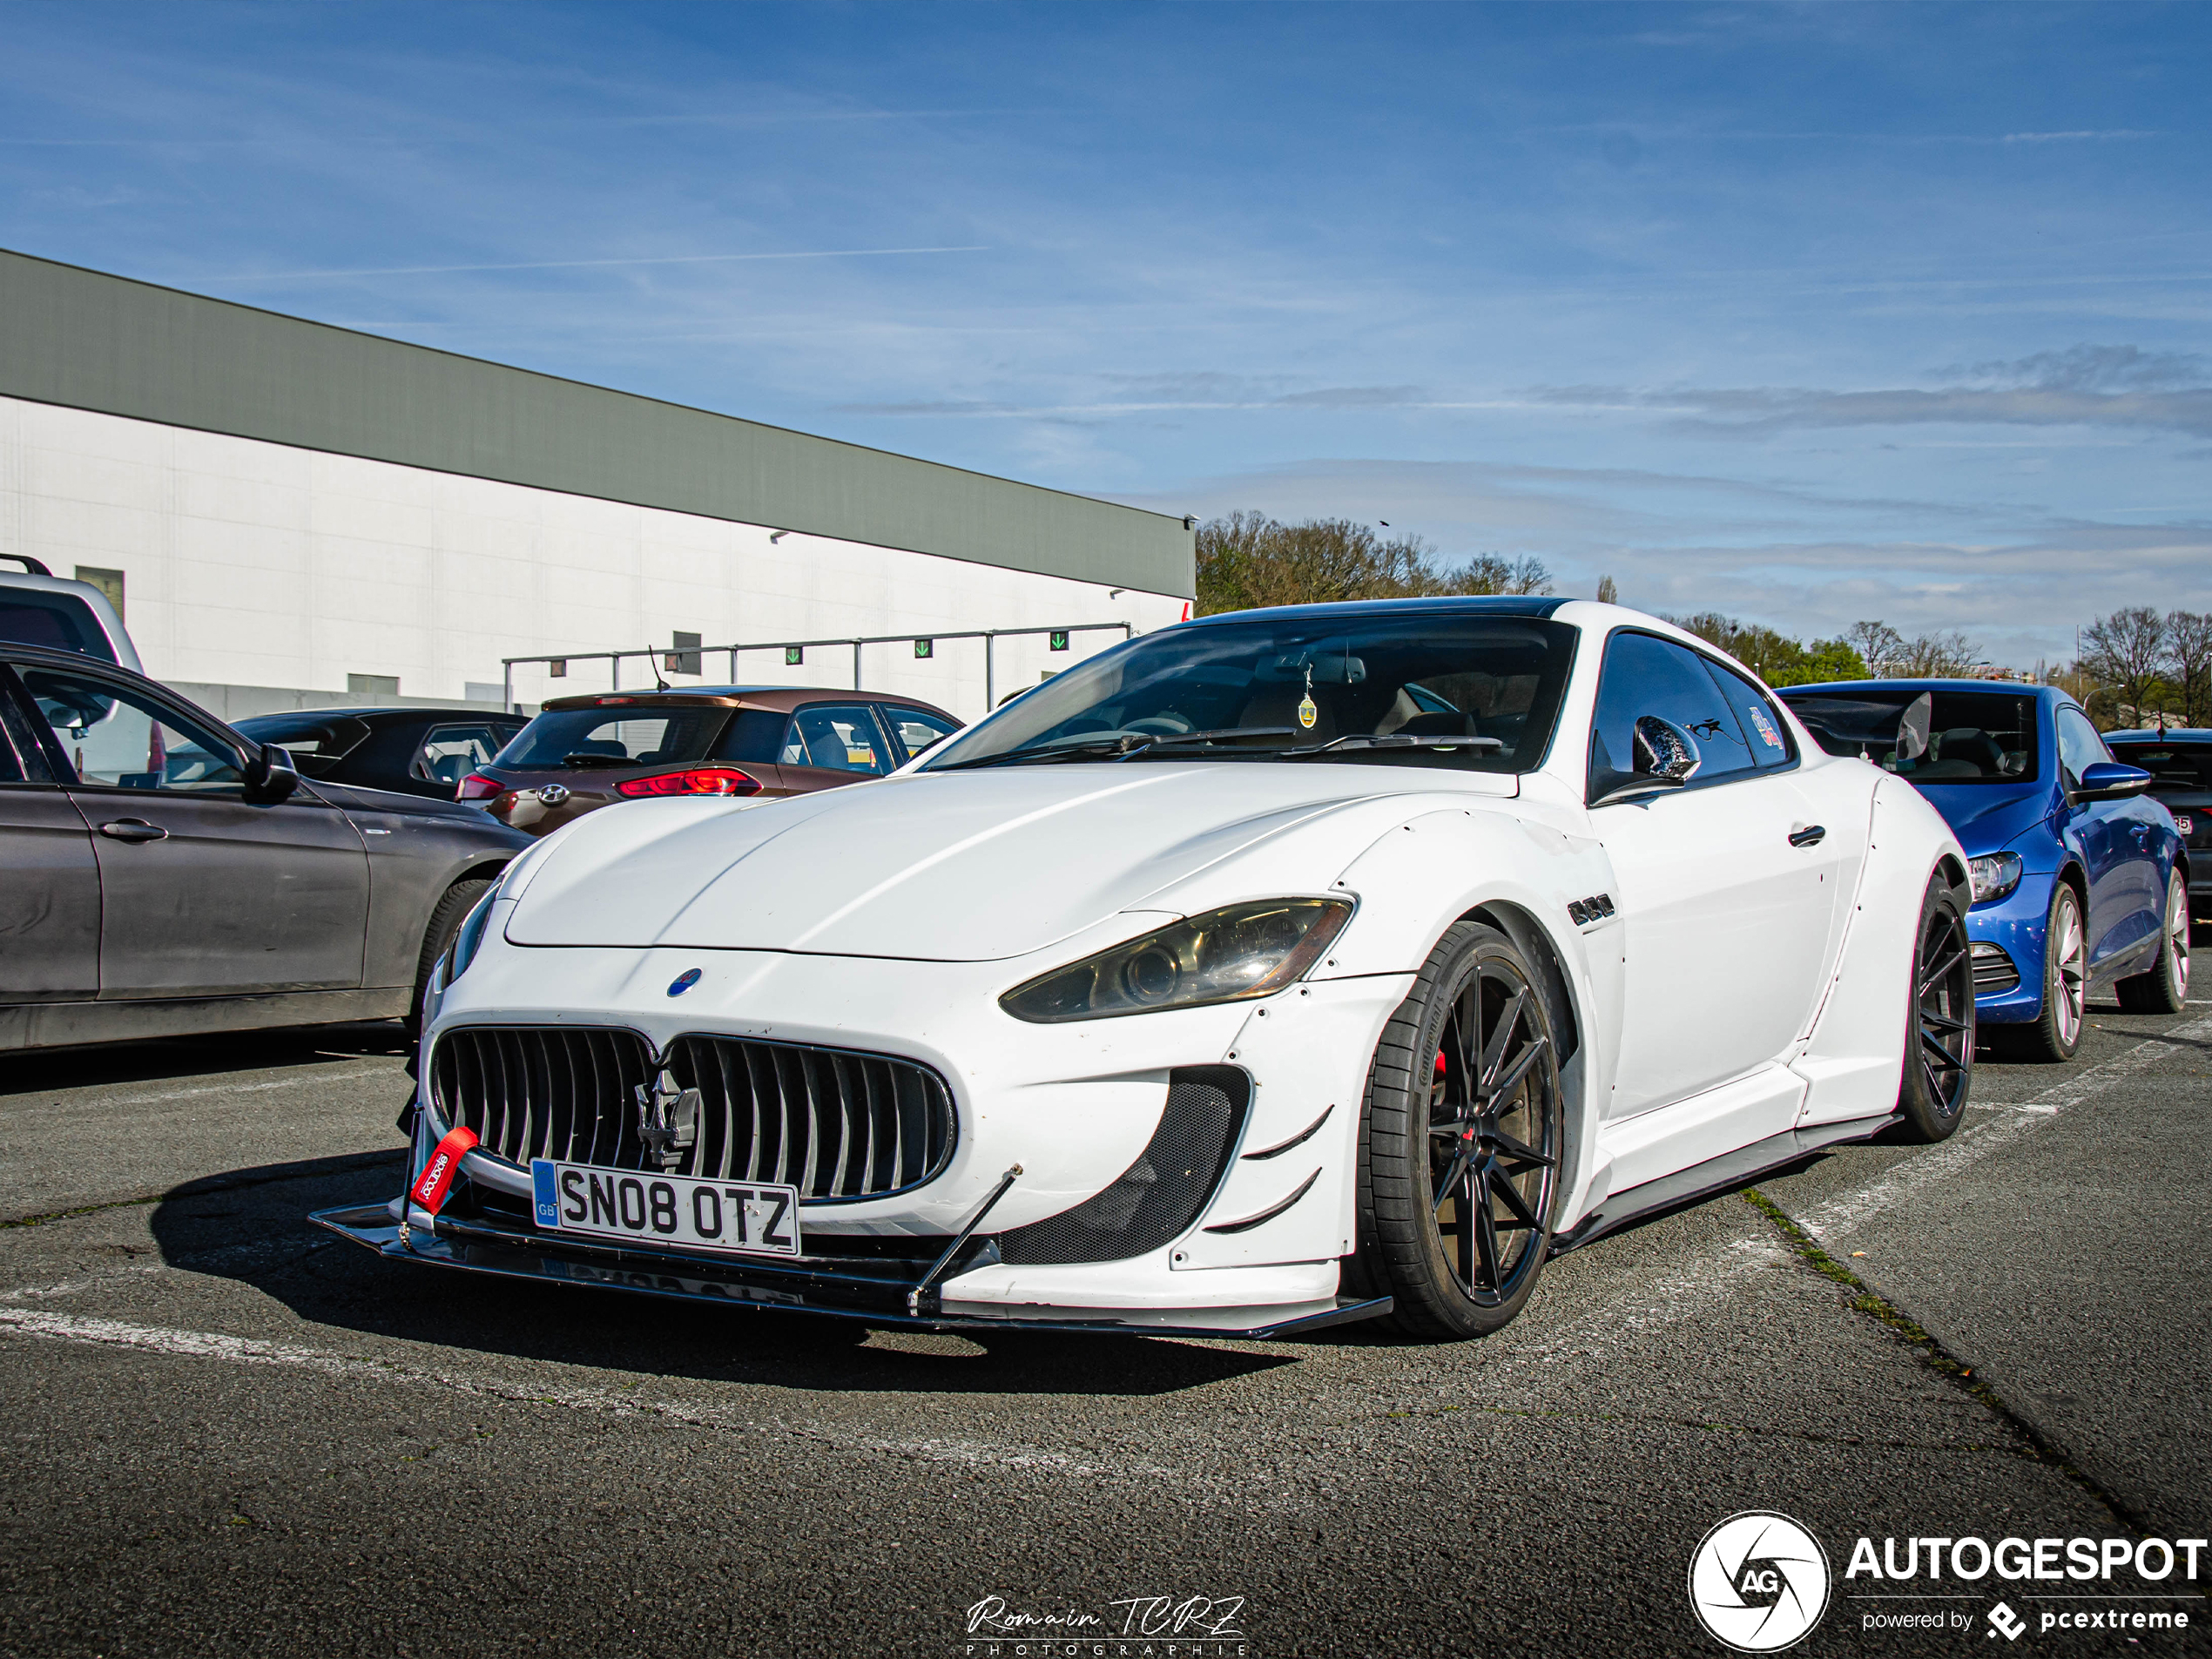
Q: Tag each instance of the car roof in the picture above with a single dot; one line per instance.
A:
(1487, 604)
(2015, 688)
(780, 699)
(375, 716)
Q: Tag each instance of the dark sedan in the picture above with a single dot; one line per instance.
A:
(2179, 760)
(584, 753)
(168, 874)
(413, 751)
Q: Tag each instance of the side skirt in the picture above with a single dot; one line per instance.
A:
(1717, 1175)
(53, 1025)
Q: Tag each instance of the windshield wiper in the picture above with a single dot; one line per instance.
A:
(1396, 740)
(580, 761)
(1115, 748)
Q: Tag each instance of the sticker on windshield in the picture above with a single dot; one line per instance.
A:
(1767, 734)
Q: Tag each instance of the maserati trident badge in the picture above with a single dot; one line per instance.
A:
(668, 1119)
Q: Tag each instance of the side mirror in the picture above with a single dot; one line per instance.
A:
(1666, 757)
(2111, 780)
(271, 776)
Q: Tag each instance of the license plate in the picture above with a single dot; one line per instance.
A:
(739, 1217)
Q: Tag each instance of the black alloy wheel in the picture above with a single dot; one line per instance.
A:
(1461, 1141)
(1940, 1063)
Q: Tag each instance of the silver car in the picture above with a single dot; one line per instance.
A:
(162, 874)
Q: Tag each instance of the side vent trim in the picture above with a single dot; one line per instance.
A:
(1270, 1212)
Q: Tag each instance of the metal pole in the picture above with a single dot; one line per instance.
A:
(615, 658)
(733, 664)
(856, 665)
(507, 688)
(989, 689)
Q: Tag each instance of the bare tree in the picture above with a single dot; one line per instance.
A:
(1248, 559)
(1493, 573)
(1607, 593)
(2188, 655)
(1880, 645)
(2125, 651)
(1933, 657)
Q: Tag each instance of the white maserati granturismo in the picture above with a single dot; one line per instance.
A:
(1276, 968)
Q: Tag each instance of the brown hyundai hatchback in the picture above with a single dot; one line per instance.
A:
(584, 753)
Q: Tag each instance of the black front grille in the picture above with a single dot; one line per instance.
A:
(1994, 973)
(834, 1124)
(1160, 1195)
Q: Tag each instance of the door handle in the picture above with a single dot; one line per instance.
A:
(1808, 836)
(134, 829)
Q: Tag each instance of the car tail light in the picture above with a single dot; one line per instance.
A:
(707, 781)
(477, 787)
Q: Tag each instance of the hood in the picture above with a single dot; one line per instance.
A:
(970, 866)
(1985, 816)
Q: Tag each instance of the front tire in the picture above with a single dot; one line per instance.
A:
(1461, 1140)
(1939, 1020)
(2057, 1031)
(445, 920)
(2165, 989)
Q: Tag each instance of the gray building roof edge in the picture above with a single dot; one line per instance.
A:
(91, 340)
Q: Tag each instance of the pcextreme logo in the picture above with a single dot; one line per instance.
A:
(1759, 1581)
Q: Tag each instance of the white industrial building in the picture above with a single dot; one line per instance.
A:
(295, 514)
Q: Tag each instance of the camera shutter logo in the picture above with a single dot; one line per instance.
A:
(1759, 1582)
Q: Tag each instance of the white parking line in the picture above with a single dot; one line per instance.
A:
(1975, 1143)
(251, 1350)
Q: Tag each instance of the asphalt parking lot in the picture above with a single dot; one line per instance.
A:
(229, 1433)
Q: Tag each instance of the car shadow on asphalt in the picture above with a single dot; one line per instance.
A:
(222, 1055)
(250, 1225)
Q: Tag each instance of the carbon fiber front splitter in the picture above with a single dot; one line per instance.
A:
(815, 1289)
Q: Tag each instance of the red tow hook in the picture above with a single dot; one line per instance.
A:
(437, 1180)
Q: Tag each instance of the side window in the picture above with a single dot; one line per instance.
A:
(838, 736)
(60, 621)
(1646, 675)
(2079, 744)
(1763, 732)
(756, 735)
(451, 752)
(914, 730)
(122, 739)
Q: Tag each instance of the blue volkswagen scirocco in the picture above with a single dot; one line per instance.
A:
(2080, 879)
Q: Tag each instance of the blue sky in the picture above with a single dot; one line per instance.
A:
(1807, 314)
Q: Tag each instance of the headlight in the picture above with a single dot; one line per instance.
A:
(1226, 956)
(1994, 875)
(469, 938)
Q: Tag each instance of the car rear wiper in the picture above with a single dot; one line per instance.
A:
(580, 761)
(1115, 748)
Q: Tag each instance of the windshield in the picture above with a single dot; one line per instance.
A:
(2174, 768)
(649, 737)
(1944, 737)
(1483, 692)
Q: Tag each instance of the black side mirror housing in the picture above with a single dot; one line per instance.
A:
(1667, 759)
(270, 775)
